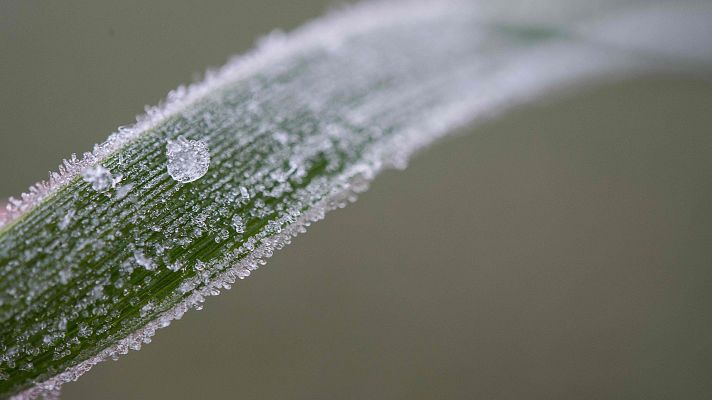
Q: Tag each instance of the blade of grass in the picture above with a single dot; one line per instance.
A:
(294, 129)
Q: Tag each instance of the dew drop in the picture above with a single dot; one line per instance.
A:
(188, 160)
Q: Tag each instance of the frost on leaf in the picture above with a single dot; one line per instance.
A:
(144, 261)
(66, 219)
(100, 178)
(238, 224)
(175, 267)
(291, 140)
(188, 160)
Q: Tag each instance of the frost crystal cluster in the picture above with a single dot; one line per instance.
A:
(99, 177)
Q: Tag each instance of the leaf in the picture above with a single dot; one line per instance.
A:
(202, 189)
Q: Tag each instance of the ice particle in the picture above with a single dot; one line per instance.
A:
(238, 224)
(66, 219)
(99, 177)
(175, 267)
(144, 261)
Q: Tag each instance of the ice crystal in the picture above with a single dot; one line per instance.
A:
(122, 191)
(188, 160)
(237, 224)
(66, 219)
(144, 261)
(175, 266)
(99, 177)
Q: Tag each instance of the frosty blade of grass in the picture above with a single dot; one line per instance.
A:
(202, 189)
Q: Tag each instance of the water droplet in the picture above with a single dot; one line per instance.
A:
(188, 160)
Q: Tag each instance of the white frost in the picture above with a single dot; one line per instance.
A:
(238, 224)
(66, 219)
(175, 267)
(99, 177)
(144, 261)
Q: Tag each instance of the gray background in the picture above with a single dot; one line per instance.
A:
(561, 251)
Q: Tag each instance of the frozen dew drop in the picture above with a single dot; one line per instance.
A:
(99, 177)
(188, 160)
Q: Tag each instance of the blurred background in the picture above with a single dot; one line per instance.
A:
(563, 250)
